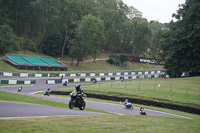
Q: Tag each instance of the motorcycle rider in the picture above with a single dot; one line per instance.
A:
(47, 92)
(126, 102)
(78, 91)
(20, 89)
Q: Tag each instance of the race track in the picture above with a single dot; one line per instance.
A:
(10, 109)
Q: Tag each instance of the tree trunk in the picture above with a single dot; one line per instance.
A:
(72, 61)
(64, 44)
(94, 60)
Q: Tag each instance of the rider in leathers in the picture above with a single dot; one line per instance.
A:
(77, 91)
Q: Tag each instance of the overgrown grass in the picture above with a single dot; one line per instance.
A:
(184, 91)
(101, 124)
(12, 97)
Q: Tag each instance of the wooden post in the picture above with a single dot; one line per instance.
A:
(170, 88)
(139, 85)
(187, 90)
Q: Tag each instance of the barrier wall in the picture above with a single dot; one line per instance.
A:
(89, 74)
(88, 79)
(18, 82)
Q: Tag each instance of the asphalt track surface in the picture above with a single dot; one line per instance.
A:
(10, 109)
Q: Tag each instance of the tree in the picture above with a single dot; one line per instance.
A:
(155, 50)
(8, 40)
(91, 34)
(142, 35)
(51, 45)
(182, 45)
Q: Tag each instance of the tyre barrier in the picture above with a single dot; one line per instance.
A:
(139, 101)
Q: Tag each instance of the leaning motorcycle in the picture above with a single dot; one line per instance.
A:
(143, 112)
(128, 105)
(77, 101)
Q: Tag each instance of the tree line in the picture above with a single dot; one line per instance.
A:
(79, 28)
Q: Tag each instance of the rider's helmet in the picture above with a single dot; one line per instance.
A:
(141, 107)
(48, 89)
(78, 87)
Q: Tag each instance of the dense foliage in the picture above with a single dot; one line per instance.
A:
(68, 27)
(181, 44)
(79, 28)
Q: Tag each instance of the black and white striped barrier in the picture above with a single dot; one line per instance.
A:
(18, 82)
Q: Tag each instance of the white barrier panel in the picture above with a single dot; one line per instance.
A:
(158, 71)
(101, 74)
(126, 73)
(146, 73)
(51, 81)
(156, 76)
(12, 81)
(133, 77)
(77, 80)
(152, 72)
(63, 81)
(118, 74)
(110, 74)
(60, 75)
(92, 74)
(72, 75)
(23, 74)
(27, 82)
(83, 74)
(108, 78)
(7, 74)
(117, 78)
(98, 79)
(126, 77)
(87, 79)
(139, 72)
(132, 73)
(38, 75)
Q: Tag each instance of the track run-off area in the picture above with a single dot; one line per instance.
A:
(13, 110)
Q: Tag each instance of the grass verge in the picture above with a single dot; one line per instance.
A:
(12, 97)
(182, 91)
(105, 124)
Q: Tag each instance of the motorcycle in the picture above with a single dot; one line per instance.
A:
(128, 105)
(47, 93)
(143, 112)
(19, 89)
(65, 83)
(77, 101)
(95, 81)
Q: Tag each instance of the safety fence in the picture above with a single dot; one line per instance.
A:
(115, 78)
(139, 101)
(82, 74)
(18, 82)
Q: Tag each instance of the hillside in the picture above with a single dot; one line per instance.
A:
(87, 64)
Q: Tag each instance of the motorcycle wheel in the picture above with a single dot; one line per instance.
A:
(71, 105)
(82, 106)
